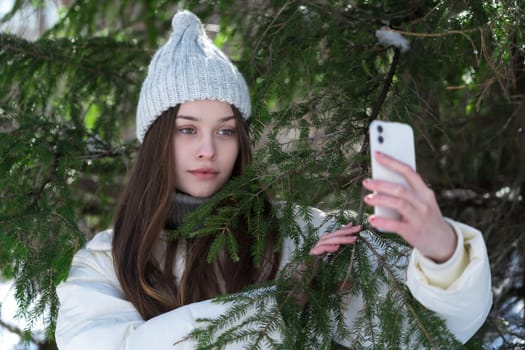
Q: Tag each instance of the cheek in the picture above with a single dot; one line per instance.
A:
(229, 158)
(178, 153)
(234, 155)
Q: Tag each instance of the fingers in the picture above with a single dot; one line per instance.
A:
(393, 196)
(411, 176)
(414, 212)
(390, 225)
(331, 242)
(421, 223)
(417, 199)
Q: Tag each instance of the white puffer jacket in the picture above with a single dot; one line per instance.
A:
(94, 313)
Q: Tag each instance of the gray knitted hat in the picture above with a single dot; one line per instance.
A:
(189, 67)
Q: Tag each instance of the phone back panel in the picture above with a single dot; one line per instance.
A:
(396, 140)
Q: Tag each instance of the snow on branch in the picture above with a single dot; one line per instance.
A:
(388, 37)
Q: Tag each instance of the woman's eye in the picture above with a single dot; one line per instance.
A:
(226, 132)
(187, 131)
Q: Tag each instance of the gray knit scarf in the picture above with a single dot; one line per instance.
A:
(182, 204)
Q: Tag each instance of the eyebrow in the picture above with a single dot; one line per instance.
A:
(190, 117)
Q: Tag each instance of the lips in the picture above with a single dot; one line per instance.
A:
(204, 173)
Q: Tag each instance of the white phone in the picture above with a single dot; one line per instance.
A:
(396, 140)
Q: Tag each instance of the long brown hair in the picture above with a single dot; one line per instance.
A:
(141, 217)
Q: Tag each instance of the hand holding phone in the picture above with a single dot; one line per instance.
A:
(396, 140)
(421, 224)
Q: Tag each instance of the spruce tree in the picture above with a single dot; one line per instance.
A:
(318, 75)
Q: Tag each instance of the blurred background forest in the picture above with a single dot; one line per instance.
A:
(70, 72)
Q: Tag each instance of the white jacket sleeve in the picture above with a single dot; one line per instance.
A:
(458, 290)
(94, 314)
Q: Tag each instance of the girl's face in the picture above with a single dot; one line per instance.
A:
(206, 146)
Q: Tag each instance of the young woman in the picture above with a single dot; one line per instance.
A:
(134, 287)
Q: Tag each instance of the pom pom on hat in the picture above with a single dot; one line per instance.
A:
(189, 67)
(187, 24)
(184, 19)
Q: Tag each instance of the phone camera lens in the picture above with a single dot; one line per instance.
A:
(379, 128)
(380, 139)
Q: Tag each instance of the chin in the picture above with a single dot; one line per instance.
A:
(201, 189)
(202, 193)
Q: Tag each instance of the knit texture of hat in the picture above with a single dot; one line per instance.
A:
(189, 67)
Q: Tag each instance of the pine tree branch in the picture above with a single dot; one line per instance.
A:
(264, 331)
(377, 108)
(49, 178)
(345, 284)
(372, 334)
(9, 42)
(109, 153)
(395, 284)
(16, 330)
(361, 210)
(387, 84)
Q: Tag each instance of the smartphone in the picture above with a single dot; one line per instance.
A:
(396, 140)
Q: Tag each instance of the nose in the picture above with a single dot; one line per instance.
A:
(207, 148)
